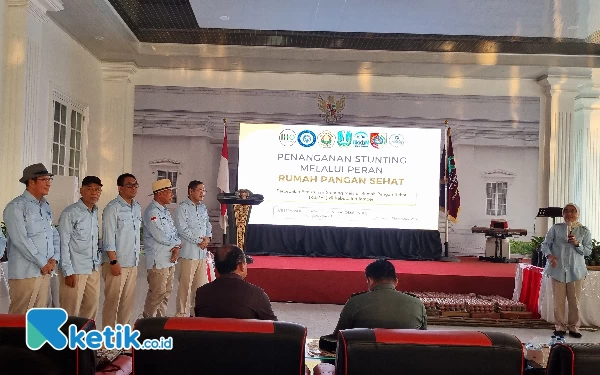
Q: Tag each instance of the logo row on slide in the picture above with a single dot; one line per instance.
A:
(345, 138)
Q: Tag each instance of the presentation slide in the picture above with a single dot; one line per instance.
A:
(371, 177)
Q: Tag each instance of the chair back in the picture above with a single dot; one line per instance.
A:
(212, 346)
(574, 359)
(403, 351)
(67, 361)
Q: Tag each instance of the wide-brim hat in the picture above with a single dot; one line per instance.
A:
(34, 171)
(161, 185)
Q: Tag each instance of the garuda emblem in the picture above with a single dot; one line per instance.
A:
(331, 108)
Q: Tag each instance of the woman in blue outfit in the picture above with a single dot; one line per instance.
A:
(566, 244)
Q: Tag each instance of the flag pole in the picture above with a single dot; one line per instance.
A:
(446, 257)
(226, 222)
(446, 188)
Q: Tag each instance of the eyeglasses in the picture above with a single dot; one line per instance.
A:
(204, 190)
(132, 186)
(95, 190)
(45, 179)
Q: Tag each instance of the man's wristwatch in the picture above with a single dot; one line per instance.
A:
(113, 262)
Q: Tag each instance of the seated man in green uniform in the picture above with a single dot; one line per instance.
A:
(382, 306)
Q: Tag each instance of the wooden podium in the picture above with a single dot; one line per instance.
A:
(239, 206)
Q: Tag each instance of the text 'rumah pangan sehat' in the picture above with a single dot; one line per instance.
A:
(161, 185)
(34, 171)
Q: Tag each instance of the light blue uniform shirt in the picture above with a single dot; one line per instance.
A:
(571, 262)
(121, 224)
(78, 229)
(192, 223)
(160, 236)
(32, 239)
(2, 243)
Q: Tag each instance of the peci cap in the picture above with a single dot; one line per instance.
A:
(88, 180)
(161, 185)
(34, 171)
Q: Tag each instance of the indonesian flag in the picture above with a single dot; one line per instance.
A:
(223, 180)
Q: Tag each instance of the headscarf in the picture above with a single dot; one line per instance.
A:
(574, 224)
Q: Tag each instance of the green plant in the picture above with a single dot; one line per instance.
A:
(3, 227)
(594, 258)
(526, 247)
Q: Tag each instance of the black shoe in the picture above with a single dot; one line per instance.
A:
(576, 335)
(560, 333)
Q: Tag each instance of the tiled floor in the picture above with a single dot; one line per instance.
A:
(319, 319)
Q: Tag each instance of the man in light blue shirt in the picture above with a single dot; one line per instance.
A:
(2, 244)
(566, 245)
(3, 280)
(33, 242)
(121, 222)
(79, 253)
(194, 228)
(161, 246)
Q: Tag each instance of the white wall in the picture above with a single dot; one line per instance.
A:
(69, 67)
(197, 158)
(2, 52)
(515, 165)
(64, 65)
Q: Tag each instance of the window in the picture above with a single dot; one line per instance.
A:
(67, 125)
(171, 175)
(75, 143)
(59, 139)
(496, 198)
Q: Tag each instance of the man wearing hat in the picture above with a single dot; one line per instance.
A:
(79, 255)
(121, 222)
(33, 242)
(161, 246)
(194, 228)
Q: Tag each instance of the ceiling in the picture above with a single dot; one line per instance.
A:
(386, 37)
(531, 18)
(493, 18)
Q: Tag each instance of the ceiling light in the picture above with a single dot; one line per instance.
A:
(224, 18)
(99, 37)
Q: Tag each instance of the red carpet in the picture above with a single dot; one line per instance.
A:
(333, 280)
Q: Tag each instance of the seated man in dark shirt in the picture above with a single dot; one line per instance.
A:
(382, 306)
(229, 296)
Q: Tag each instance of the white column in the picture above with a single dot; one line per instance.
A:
(587, 158)
(21, 82)
(111, 144)
(556, 172)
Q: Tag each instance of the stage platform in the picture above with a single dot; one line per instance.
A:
(334, 280)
